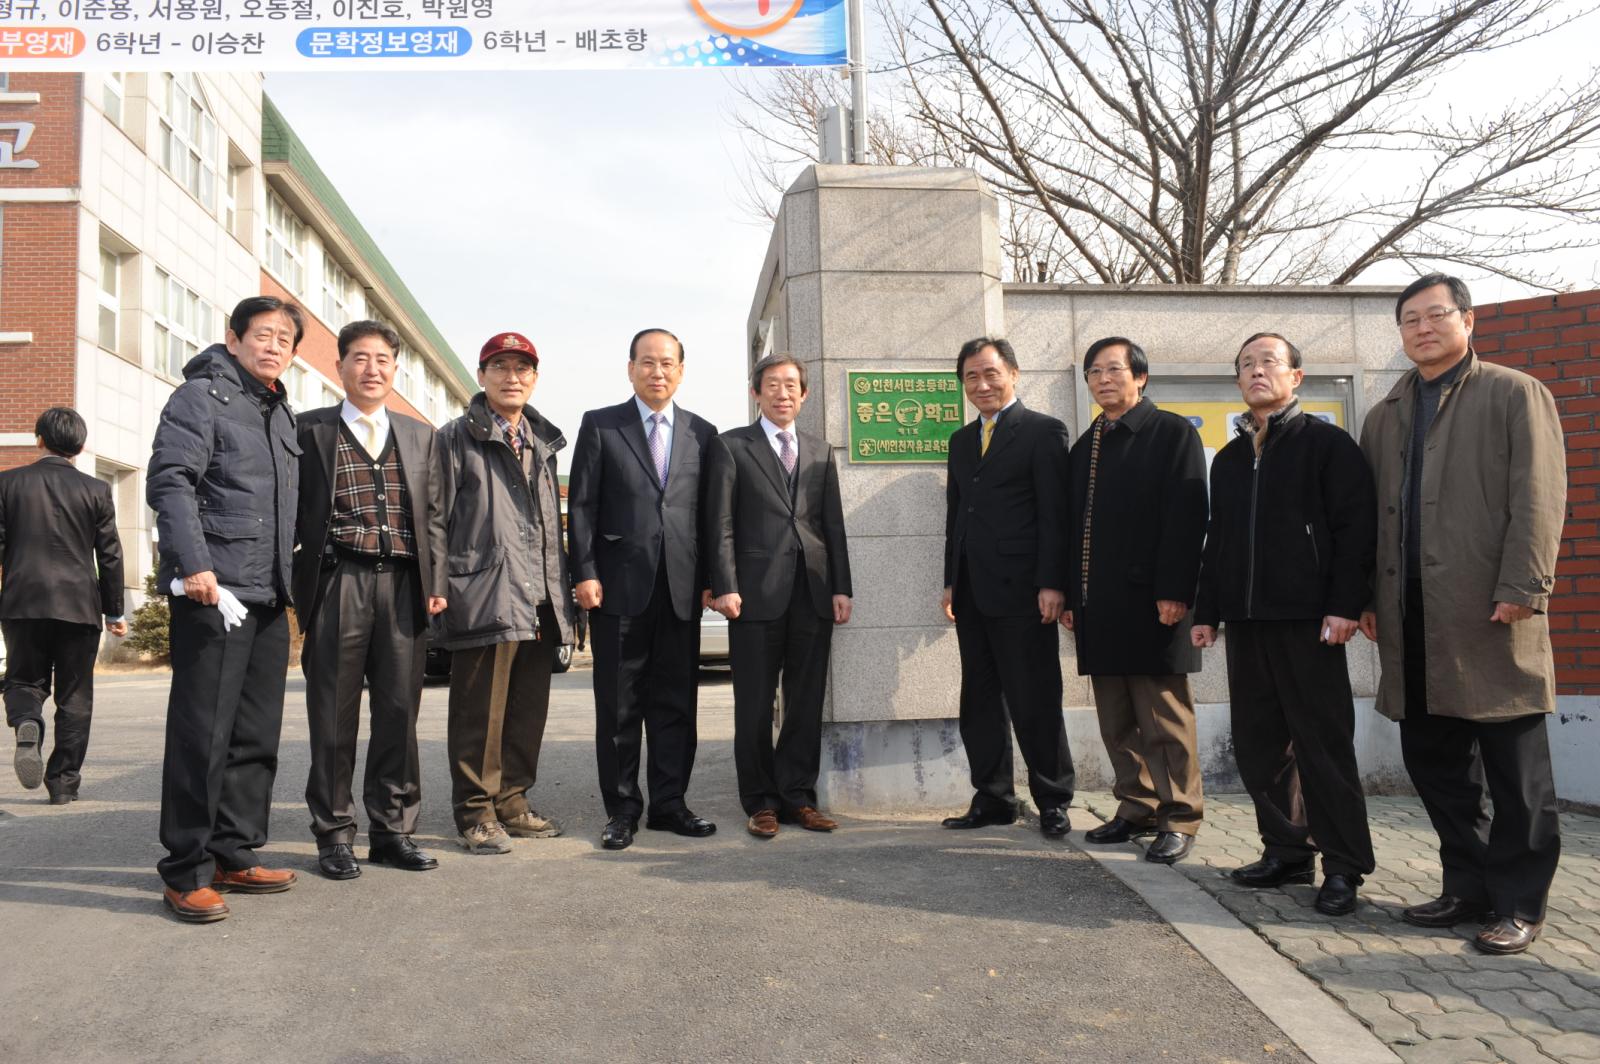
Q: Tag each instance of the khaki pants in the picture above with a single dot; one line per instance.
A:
(499, 699)
(1147, 723)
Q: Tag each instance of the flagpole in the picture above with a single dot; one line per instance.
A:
(858, 80)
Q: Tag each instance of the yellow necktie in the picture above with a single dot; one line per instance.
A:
(370, 424)
(988, 431)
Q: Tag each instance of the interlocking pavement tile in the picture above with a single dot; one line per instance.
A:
(1515, 1049)
(1447, 1051)
(1461, 1025)
(1374, 1011)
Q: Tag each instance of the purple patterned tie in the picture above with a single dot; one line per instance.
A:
(658, 446)
(786, 453)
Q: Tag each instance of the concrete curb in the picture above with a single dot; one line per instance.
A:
(1315, 1022)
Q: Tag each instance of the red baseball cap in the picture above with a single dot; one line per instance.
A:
(508, 343)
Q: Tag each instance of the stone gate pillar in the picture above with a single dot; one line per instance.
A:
(884, 268)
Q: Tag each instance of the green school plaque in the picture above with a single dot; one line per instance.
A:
(897, 416)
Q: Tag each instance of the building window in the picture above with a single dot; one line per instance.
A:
(286, 241)
(110, 297)
(341, 298)
(189, 145)
(111, 95)
(182, 322)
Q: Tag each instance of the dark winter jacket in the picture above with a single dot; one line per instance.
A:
(1149, 523)
(1293, 536)
(224, 480)
(503, 531)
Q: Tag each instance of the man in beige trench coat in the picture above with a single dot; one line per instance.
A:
(1471, 471)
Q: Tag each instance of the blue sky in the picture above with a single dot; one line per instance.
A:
(579, 207)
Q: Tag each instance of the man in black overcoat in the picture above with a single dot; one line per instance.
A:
(1139, 518)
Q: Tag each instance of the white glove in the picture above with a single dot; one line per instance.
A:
(233, 611)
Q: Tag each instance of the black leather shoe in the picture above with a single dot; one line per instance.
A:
(1053, 822)
(681, 822)
(400, 852)
(1272, 872)
(618, 833)
(337, 861)
(1337, 896)
(1508, 935)
(1446, 910)
(1169, 847)
(1117, 830)
(977, 817)
(62, 797)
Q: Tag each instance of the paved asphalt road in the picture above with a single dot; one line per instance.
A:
(892, 940)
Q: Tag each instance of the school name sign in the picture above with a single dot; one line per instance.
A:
(300, 35)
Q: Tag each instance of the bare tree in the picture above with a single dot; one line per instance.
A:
(1282, 141)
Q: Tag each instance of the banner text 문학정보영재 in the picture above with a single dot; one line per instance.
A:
(299, 35)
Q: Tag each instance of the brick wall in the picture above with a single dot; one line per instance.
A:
(1557, 339)
(39, 262)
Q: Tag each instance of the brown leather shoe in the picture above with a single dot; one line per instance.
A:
(1508, 934)
(257, 880)
(811, 820)
(203, 906)
(763, 824)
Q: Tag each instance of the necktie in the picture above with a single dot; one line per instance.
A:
(786, 452)
(988, 433)
(1088, 504)
(658, 446)
(369, 429)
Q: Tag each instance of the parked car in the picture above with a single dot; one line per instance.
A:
(713, 639)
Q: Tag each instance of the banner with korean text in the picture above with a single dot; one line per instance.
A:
(302, 35)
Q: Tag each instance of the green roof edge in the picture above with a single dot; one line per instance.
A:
(279, 143)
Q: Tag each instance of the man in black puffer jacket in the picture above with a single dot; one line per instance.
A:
(224, 485)
(1288, 565)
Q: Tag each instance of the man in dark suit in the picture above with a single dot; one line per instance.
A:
(368, 573)
(780, 573)
(1139, 518)
(61, 567)
(633, 529)
(1006, 534)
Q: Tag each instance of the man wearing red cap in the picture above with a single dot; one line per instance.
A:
(509, 594)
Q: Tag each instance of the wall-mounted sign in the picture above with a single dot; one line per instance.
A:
(419, 34)
(899, 416)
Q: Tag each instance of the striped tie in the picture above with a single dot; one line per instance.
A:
(1088, 504)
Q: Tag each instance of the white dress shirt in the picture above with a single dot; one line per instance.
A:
(777, 445)
(645, 414)
(350, 415)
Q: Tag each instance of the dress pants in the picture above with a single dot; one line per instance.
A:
(37, 651)
(224, 715)
(1147, 723)
(369, 626)
(1011, 671)
(793, 650)
(1294, 724)
(1506, 861)
(499, 699)
(644, 682)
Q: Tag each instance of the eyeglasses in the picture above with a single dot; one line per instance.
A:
(1412, 322)
(519, 369)
(1094, 373)
(1266, 365)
